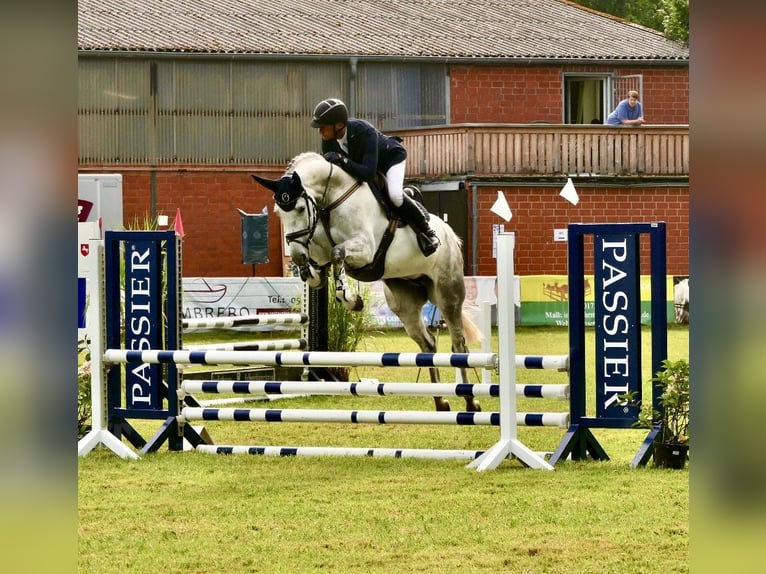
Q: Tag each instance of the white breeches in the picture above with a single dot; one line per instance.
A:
(395, 183)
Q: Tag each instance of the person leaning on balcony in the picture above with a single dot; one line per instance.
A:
(628, 112)
(361, 150)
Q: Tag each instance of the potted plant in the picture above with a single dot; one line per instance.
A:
(671, 445)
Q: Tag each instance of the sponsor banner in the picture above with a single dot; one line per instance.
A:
(214, 297)
(143, 320)
(86, 269)
(477, 289)
(545, 300)
(235, 296)
(539, 299)
(618, 316)
(99, 199)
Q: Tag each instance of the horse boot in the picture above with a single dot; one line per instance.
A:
(416, 218)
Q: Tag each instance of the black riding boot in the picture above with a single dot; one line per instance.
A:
(415, 217)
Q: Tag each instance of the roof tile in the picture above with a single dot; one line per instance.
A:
(528, 29)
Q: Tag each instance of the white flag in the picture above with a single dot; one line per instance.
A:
(501, 207)
(569, 193)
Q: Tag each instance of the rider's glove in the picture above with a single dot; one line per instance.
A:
(335, 157)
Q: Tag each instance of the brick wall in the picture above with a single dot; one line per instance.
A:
(208, 198)
(208, 201)
(487, 94)
(537, 211)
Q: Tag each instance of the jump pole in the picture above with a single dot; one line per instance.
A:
(509, 445)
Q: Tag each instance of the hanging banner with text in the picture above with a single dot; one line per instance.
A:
(545, 300)
(538, 299)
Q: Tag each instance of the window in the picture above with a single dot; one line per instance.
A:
(585, 98)
(589, 98)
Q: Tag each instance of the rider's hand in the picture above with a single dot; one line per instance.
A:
(335, 157)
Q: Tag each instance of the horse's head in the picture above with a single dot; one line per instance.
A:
(297, 210)
(287, 190)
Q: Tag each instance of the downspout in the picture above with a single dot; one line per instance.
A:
(154, 138)
(352, 62)
(474, 229)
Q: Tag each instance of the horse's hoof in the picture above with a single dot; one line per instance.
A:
(316, 282)
(473, 407)
(442, 404)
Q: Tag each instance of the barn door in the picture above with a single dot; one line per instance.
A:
(451, 205)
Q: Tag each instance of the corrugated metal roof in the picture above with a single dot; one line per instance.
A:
(523, 29)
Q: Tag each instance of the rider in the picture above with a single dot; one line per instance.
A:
(361, 150)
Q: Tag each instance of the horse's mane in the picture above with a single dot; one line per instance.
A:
(301, 157)
(311, 158)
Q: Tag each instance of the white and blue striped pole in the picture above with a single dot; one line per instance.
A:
(368, 388)
(195, 324)
(560, 420)
(300, 358)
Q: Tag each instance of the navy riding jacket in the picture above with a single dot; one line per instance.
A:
(369, 150)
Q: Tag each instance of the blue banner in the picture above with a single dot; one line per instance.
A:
(81, 302)
(617, 323)
(143, 321)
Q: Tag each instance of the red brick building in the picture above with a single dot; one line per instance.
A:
(189, 109)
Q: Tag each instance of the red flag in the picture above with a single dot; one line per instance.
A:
(178, 225)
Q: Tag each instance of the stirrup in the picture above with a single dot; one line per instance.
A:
(428, 243)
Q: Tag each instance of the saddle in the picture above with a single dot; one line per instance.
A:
(375, 269)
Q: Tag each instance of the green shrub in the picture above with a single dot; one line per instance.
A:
(346, 329)
(83, 390)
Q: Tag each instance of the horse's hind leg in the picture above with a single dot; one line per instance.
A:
(406, 299)
(449, 297)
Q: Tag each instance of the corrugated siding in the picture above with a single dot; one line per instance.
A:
(397, 96)
(114, 111)
(224, 112)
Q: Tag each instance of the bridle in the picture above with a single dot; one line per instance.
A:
(308, 232)
(316, 213)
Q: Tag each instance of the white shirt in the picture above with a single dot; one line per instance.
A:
(343, 142)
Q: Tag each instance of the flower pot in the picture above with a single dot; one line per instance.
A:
(670, 455)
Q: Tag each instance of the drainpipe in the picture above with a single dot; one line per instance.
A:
(474, 229)
(352, 62)
(154, 138)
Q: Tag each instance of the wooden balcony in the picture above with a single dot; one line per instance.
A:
(541, 150)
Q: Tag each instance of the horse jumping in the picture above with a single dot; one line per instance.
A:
(330, 218)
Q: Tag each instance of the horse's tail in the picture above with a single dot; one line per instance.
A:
(471, 332)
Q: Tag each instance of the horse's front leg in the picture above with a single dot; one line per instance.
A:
(354, 252)
(343, 293)
(315, 278)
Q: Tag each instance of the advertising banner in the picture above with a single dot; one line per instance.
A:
(545, 300)
(539, 299)
(214, 297)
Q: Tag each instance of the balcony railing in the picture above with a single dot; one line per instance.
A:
(486, 150)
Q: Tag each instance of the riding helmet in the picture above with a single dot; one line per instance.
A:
(329, 112)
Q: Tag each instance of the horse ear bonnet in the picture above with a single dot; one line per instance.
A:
(287, 192)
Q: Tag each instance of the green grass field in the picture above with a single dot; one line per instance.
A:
(200, 513)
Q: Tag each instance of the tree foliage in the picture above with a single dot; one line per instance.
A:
(675, 19)
(670, 17)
